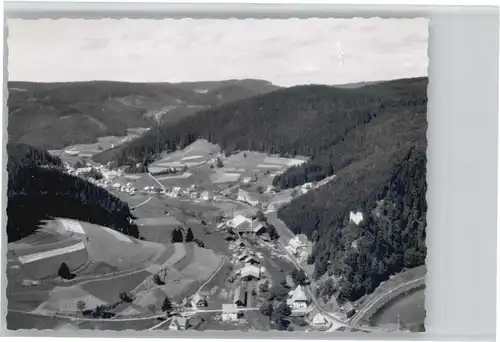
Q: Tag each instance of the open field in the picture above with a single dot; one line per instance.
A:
(157, 221)
(196, 154)
(109, 290)
(157, 233)
(46, 267)
(103, 143)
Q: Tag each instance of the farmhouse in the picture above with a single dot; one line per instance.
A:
(240, 297)
(318, 320)
(249, 272)
(229, 312)
(244, 227)
(178, 323)
(176, 192)
(244, 196)
(297, 299)
(205, 196)
(237, 220)
(198, 301)
(257, 227)
(296, 244)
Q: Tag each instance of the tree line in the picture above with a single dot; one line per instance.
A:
(38, 189)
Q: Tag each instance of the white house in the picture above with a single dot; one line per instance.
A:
(205, 196)
(297, 299)
(178, 323)
(176, 192)
(249, 272)
(244, 196)
(319, 321)
(198, 301)
(237, 220)
(229, 312)
(356, 217)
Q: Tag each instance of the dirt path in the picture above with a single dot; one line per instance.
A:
(141, 204)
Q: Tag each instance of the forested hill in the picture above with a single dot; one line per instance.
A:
(390, 193)
(309, 120)
(55, 115)
(38, 189)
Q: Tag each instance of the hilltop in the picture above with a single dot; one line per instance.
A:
(55, 115)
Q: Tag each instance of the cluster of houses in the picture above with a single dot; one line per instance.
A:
(108, 177)
(191, 192)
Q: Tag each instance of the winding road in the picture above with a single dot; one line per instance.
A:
(410, 284)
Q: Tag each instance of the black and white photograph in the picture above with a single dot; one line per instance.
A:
(217, 174)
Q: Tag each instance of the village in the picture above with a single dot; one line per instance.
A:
(257, 262)
(249, 284)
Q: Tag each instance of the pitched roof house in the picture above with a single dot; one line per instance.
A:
(297, 298)
(198, 300)
(178, 323)
(257, 227)
(240, 297)
(250, 272)
(318, 320)
(229, 312)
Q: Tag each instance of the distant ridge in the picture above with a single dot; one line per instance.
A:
(55, 115)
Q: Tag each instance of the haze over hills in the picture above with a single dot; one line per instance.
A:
(55, 115)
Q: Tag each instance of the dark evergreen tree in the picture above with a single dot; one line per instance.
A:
(167, 305)
(189, 235)
(64, 271)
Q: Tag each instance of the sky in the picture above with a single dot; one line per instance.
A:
(285, 52)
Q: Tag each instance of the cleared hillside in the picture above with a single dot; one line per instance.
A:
(55, 115)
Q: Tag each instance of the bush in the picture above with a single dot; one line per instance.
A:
(65, 273)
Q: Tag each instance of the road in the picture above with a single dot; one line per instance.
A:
(156, 180)
(141, 204)
(223, 261)
(285, 233)
(410, 284)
